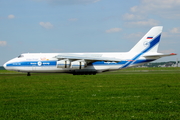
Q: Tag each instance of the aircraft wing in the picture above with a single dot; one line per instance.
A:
(87, 58)
(159, 55)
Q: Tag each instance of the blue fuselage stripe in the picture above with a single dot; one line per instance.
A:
(54, 63)
(32, 63)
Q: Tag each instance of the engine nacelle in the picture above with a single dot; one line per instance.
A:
(78, 65)
(63, 64)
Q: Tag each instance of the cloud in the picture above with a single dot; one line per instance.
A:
(112, 30)
(150, 22)
(165, 4)
(3, 43)
(11, 16)
(165, 35)
(175, 30)
(154, 5)
(134, 35)
(167, 51)
(134, 9)
(166, 8)
(141, 15)
(46, 25)
(70, 2)
(129, 16)
(172, 33)
(72, 19)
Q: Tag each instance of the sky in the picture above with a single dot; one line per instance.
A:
(62, 26)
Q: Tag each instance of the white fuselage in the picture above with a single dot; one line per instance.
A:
(47, 62)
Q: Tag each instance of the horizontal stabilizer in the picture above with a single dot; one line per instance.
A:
(159, 55)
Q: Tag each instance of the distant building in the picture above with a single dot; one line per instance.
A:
(176, 65)
(162, 64)
(2, 68)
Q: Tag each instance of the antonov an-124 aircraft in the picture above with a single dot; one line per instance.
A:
(90, 63)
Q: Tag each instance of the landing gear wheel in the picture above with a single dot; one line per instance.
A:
(28, 74)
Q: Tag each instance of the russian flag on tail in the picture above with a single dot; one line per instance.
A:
(150, 37)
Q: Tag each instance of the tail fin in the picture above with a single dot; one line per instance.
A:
(150, 42)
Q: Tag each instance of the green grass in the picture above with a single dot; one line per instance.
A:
(137, 94)
(6, 71)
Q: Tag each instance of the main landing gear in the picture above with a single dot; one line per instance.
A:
(84, 73)
(28, 74)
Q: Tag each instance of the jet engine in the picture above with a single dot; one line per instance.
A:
(78, 65)
(63, 64)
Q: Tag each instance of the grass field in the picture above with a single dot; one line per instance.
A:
(130, 94)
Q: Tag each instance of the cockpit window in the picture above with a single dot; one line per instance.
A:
(20, 56)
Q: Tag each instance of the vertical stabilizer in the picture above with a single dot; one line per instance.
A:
(150, 42)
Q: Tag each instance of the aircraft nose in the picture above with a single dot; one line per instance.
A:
(4, 65)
